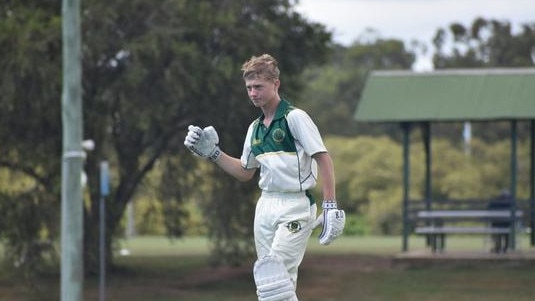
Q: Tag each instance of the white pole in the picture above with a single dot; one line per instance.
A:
(467, 137)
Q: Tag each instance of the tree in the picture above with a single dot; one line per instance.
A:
(30, 129)
(150, 68)
(484, 44)
(333, 90)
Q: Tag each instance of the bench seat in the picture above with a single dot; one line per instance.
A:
(460, 230)
(436, 225)
(468, 214)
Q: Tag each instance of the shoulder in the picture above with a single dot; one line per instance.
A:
(253, 124)
(301, 124)
(251, 128)
(298, 118)
(296, 113)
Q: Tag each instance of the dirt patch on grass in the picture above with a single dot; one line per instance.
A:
(324, 263)
(209, 275)
(350, 262)
(320, 277)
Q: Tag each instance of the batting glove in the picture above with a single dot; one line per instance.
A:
(333, 221)
(203, 142)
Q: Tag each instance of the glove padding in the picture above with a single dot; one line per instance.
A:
(203, 142)
(333, 221)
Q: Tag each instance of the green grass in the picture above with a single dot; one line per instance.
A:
(378, 245)
(353, 268)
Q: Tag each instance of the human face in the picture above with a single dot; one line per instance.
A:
(262, 92)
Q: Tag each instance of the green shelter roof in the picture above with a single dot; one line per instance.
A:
(448, 95)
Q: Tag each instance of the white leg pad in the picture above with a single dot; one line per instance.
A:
(273, 283)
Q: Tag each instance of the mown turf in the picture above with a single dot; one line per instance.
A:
(357, 268)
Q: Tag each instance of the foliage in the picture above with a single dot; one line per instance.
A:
(333, 90)
(29, 244)
(484, 43)
(150, 68)
(159, 208)
(30, 53)
(363, 165)
(356, 225)
(369, 174)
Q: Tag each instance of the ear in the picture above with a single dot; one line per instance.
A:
(276, 83)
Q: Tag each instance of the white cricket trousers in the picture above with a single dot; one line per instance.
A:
(282, 226)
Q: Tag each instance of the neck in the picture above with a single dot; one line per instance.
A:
(270, 109)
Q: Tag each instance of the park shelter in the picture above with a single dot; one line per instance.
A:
(457, 95)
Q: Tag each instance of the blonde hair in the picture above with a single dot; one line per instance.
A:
(264, 66)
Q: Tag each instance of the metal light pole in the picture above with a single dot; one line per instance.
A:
(104, 192)
(72, 266)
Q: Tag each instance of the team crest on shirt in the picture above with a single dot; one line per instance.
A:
(294, 226)
(278, 135)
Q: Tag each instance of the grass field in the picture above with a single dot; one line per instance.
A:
(357, 268)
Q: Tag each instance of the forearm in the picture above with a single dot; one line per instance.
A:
(233, 167)
(204, 143)
(326, 173)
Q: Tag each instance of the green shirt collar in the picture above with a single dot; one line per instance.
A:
(282, 109)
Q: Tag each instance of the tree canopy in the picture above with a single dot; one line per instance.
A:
(150, 68)
(333, 90)
(484, 43)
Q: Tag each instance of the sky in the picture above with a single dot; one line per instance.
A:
(409, 20)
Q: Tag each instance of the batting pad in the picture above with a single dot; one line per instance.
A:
(273, 283)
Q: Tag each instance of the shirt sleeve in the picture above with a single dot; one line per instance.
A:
(305, 132)
(248, 160)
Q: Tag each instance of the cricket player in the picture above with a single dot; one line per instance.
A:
(285, 144)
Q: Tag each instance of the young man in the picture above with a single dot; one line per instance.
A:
(285, 144)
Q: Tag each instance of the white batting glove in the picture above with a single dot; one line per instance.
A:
(333, 221)
(203, 142)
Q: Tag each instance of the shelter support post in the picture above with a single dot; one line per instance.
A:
(406, 127)
(532, 184)
(426, 135)
(426, 132)
(514, 138)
